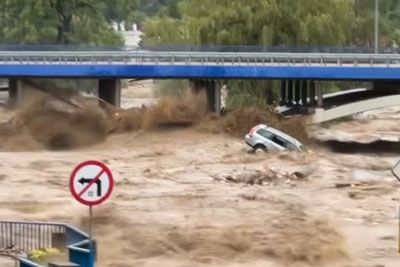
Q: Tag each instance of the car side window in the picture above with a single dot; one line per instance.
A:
(286, 144)
(291, 147)
(280, 141)
(277, 139)
(266, 134)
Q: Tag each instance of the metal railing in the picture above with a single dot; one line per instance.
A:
(27, 236)
(196, 58)
(19, 239)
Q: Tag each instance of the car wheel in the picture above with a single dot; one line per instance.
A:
(260, 147)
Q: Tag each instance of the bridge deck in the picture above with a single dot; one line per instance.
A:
(146, 64)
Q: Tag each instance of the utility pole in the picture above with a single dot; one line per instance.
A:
(376, 26)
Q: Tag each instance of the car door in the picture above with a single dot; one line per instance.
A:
(279, 142)
(269, 140)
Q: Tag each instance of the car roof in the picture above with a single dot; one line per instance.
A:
(279, 133)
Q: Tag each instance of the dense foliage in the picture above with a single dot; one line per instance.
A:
(389, 22)
(56, 21)
(255, 22)
(228, 22)
(274, 22)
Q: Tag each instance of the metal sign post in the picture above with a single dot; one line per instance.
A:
(91, 183)
(90, 227)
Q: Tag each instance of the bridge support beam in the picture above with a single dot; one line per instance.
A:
(110, 91)
(283, 92)
(304, 93)
(15, 91)
(212, 92)
(312, 93)
(297, 88)
(217, 99)
(320, 97)
(289, 93)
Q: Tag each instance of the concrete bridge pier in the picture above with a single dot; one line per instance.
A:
(320, 97)
(312, 92)
(304, 93)
(283, 92)
(212, 92)
(110, 91)
(15, 91)
(297, 88)
(289, 101)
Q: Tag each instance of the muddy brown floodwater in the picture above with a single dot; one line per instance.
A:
(178, 201)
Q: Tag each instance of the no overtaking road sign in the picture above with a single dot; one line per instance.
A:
(91, 183)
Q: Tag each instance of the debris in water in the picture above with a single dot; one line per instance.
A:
(268, 176)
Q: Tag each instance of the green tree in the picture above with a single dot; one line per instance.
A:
(254, 22)
(389, 19)
(55, 21)
(152, 7)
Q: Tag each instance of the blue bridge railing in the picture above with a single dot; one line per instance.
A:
(24, 237)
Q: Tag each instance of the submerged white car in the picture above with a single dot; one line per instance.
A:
(268, 138)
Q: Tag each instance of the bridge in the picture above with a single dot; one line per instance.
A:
(297, 71)
(208, 65)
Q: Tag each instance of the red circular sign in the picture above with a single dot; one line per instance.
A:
(91, 183)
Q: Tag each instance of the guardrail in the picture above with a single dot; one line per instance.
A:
(82, 253)
(27, 236)
(24, 237)
(196, 58)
